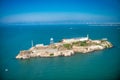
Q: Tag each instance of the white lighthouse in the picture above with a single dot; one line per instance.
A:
(51, 40)
(88, 36)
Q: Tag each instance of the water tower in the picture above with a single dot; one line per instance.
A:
(51, 40)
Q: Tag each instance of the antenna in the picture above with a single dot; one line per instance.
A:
(87, 36)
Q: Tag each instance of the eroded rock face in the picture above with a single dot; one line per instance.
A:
(63, 49)
(24, 54)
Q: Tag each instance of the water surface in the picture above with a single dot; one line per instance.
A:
(98, 65)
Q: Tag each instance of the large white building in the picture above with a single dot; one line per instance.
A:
(39, 45)
(75, 39)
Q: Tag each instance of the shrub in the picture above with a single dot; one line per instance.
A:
(68, 46)
(51, 54)
(76, 43)
(83, 43)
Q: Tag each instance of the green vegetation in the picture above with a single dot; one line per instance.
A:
(51, 54)
(83, 43)
(80, 43)
(76, 43)
(68, 46)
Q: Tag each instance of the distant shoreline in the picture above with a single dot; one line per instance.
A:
(88, 24)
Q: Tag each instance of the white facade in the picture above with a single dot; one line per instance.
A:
(96, 41)
(75, 40)
(39, 45)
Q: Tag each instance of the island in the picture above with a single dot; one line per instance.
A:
(65, 47)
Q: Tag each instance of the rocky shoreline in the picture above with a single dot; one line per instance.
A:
(66, 47)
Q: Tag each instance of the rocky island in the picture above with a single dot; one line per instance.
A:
(65, 47)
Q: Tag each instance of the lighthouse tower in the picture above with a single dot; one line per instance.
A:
(87, 36)
(51, 40)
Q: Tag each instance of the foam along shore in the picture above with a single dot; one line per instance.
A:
(65, 47)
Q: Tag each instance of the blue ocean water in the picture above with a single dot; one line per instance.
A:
(99, 65)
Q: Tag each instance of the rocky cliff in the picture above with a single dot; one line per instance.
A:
(64, 49)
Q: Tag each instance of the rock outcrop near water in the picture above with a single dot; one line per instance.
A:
(66, 47)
